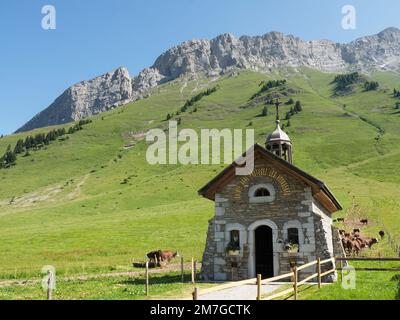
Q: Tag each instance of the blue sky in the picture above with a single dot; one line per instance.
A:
(94, 37)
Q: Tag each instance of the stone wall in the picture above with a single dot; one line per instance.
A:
(338, 250)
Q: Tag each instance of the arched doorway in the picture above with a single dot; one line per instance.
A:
(264, 253)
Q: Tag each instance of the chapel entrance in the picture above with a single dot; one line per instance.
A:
(264, 254)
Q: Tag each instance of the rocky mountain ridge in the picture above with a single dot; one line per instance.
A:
(216, 56)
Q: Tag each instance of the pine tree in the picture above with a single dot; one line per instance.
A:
(28, 142)
(19, 147)
(11, 157)
(264, 111)
(298, 107)
(61, 132)
(8, 159)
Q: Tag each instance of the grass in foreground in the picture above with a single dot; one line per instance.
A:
(162, 286)
(369, 285)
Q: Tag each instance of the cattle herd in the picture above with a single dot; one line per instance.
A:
(353, 242)
(160, 257)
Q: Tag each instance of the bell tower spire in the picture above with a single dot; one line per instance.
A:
(278, 142)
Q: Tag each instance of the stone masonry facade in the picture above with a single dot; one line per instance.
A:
(291, 205)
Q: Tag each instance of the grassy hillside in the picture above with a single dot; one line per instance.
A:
(93, 203)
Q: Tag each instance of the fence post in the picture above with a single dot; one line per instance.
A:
(147, 278)
(195, 270)
(258, 286)
(319, 272)
(50, 285)
(195, 293)
(182, 271)
(193, 279)
(295, 275)
(341, 270)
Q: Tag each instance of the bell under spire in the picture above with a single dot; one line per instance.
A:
(278, 142)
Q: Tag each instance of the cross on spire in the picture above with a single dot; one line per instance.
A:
(277, 104)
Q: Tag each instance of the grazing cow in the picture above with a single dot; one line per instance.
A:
(381, 234)
(168, 255)
(356, 233)
(356, 247)
(340, 219)
(159, 256)
(362, 243)
(371, 242)
(347, 244)
(364, 221)
(154, 256)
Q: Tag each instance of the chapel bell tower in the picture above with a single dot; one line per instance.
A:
(278, 141)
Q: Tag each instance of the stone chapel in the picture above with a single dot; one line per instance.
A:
(269, 221)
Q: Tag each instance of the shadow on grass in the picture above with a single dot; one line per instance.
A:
(157, 279)
(397, 278)
(300, 290)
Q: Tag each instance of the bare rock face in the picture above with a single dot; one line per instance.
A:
(377, 52)
(216, 56)
(85, 99)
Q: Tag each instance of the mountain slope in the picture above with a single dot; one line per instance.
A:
(93, 200)
(215, 57)
(85, 99)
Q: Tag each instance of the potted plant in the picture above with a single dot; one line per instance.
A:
(233, 249)
(291, 248)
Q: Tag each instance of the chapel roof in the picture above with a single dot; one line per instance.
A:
(319, 189)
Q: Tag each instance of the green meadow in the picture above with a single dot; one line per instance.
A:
(92, 202)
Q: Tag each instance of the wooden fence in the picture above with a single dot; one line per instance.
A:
(294, 274)
(193, 271)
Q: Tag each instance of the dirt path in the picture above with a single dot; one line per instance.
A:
(77, 191)
(244, 292)
(169, 268)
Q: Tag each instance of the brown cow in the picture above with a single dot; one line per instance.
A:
(356, 247)
(364, 221)
(168, 255)
(371, 242)
(347, 245)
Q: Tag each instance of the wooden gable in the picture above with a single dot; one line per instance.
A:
(319, 190)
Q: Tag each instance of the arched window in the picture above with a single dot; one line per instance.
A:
(262, 192)
(293, 235)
